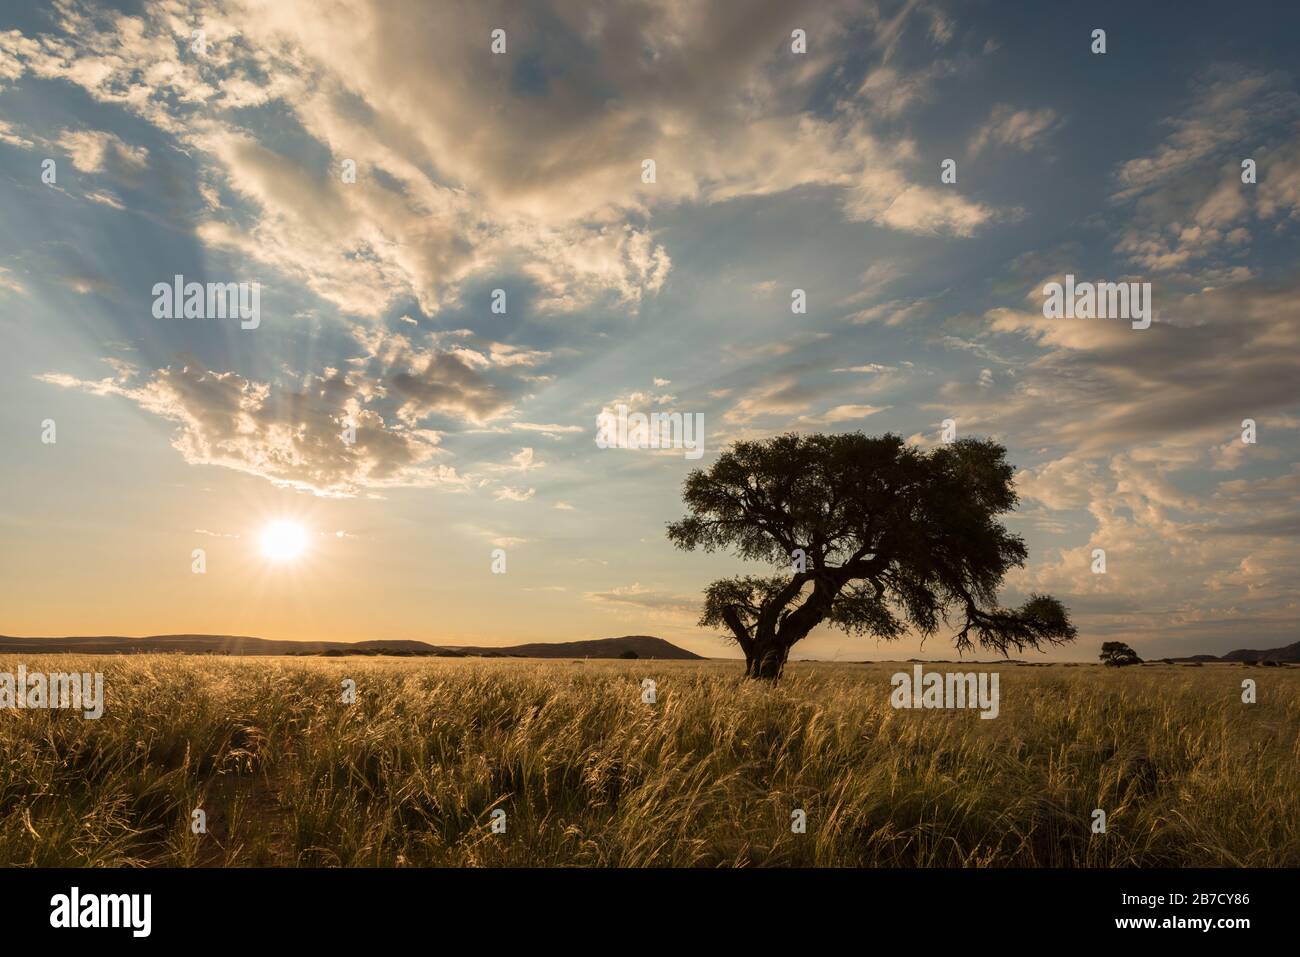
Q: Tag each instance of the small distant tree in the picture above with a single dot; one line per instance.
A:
(629, 654)
(1117, 654)
(873, 535)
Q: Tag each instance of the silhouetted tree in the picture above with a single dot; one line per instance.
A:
(1118, 654)
(629, 654)
(878, 536)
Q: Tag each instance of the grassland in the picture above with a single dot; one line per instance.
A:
(588, 774)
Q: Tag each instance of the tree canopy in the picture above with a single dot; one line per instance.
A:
(1119, 654)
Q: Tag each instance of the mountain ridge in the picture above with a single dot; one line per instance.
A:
(645, 646)
(1288, 653)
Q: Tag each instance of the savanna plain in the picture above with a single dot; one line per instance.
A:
(590, 774)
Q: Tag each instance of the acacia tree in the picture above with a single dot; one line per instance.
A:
(1118, 654)
(877, 537)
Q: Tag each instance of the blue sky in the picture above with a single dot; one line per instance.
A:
(522, 171)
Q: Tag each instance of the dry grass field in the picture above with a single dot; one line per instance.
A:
(589, 775)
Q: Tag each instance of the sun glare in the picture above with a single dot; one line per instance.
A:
(283, 541)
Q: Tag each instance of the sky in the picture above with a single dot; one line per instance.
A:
(218, 142)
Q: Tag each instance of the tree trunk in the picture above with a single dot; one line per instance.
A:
(768, 661)
(776, 631)
(776, 636)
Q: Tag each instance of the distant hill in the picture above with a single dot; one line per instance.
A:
(205, 645)
(1291, 653)
(644, 646)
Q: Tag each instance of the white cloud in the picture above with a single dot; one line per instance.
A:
(290, 438)
(92, 151)
(514, 494)
(842, 413)
(457, 180)
(1018, 129)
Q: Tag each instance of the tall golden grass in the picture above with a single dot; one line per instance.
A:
(589, 775)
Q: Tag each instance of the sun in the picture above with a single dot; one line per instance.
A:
(283, 541)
